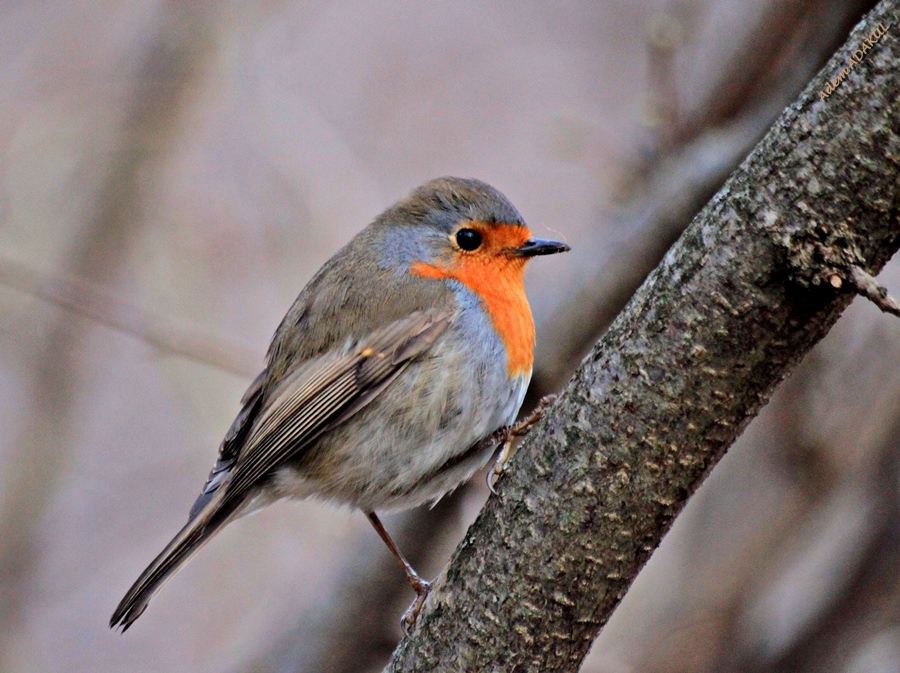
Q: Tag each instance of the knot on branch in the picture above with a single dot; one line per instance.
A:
(821, 254)
(817, 255)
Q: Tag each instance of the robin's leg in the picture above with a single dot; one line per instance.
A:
(520, 429)
(420, 586)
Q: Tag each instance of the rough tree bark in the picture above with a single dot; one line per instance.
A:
(757, 279)
(679, 184)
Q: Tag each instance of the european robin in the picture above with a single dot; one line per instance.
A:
(391, 379)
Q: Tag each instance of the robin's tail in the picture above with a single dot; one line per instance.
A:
(198, 531)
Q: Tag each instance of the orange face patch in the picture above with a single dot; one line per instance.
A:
(496, 277)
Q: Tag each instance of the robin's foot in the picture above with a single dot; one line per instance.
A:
(513, 432)
(502, 458)
(408, 620)
(420, 586)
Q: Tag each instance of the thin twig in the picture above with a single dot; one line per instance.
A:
(93, 302)
(869, 287)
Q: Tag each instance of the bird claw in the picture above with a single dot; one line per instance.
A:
(492, 476)
(499, 465)
(520, 429)
(409, 618)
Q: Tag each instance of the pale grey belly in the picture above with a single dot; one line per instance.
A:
(413, 443)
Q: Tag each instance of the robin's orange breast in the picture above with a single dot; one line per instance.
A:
(498, 280)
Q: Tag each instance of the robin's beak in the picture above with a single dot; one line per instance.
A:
(537, 246)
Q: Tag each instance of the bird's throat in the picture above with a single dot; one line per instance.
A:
(498, 282)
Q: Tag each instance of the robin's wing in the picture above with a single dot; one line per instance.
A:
(275, 425)
(328, 392)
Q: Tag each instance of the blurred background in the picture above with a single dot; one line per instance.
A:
(171, 175)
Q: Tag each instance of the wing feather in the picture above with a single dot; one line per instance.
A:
(231, 445)
(334, 388)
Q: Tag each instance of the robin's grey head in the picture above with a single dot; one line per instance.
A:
(449, 219)
(445, 202)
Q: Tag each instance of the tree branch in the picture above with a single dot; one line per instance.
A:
(680, 183)
(94, 302)
(733, 307)
(672, 189)
(869, 288)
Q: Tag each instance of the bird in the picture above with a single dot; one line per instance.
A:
(392, 379)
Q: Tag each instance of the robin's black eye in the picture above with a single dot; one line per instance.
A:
(468, 239)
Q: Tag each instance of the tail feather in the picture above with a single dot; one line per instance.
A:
(189, 540)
